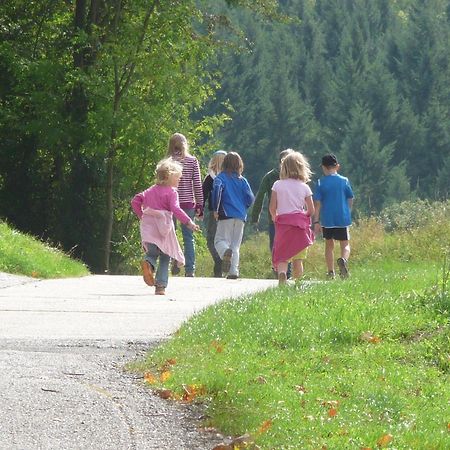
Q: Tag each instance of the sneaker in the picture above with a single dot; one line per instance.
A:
(343, 267)
(331, 275)
(147, 273)
(226, 260)
(175, 270)
(160, 290)
(189, 275)
(232, 277)
(282, 278)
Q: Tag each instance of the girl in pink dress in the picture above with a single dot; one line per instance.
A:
(291, 207)
(155, 208)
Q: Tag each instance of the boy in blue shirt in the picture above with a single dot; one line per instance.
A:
(333, 200)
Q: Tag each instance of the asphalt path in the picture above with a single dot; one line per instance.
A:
(64, 345)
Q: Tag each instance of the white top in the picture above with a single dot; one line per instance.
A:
(291, 195)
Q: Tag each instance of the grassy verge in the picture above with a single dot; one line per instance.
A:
(24, 255)
(360, 363)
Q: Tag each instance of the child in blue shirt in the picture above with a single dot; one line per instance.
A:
(231, 197)
(333, 200)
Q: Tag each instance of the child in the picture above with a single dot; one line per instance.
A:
(155, 207)
(231, 197)
(291, 207)
(333, 198)
(190, 195)
(214, 167)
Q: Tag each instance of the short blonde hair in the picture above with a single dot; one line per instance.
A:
(178, 144)
(165, 168)
(233, 163)
(216, 161)
(296, 166)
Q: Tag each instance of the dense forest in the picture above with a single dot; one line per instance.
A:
(90, 91)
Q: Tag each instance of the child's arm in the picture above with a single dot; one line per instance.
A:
(316, 217)
(273, 205)
(179, 213)
(136, 204)
(309, 206)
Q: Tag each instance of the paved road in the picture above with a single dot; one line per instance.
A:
(63, 347)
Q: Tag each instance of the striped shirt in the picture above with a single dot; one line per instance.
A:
(190, 187)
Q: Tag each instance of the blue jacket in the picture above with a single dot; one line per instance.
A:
(231, 196)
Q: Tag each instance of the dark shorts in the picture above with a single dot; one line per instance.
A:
(339, 234)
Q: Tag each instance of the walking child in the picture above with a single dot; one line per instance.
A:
(231, 197)
(190, 196)
(155, 208)
(291, 207)
(333, 199)
(214, 168)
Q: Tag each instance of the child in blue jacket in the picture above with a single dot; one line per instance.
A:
(231, 197)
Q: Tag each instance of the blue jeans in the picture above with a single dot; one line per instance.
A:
(188, 244)
(162, 271)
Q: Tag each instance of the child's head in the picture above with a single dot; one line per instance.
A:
(295, 165)
(329, 163)
(168, 172)
(216, 161)
(233, 163)
(284, 153)
(178, 145)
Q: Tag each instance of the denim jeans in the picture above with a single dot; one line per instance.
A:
(162, 269)
(188, 244)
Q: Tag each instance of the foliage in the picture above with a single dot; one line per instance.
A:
(366, 79)
(22, 254)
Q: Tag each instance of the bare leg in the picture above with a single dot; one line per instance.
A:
(297, 268)
(282, 269)
(345, 249)
(329, 254)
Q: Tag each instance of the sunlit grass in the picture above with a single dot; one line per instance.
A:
(359, 363)
(22, 254)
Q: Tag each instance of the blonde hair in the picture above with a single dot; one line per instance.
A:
(233, 163)
(165, 169)
(216, 161)
(296, 166)
(178, 144)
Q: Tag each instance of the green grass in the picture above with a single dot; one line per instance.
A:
(22, 254)
(336, 364)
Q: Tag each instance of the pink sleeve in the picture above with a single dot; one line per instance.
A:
(175, 208)
(136, 204)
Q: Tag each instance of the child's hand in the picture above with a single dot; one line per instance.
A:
(193, 226)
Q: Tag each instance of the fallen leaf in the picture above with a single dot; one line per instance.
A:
(300, 389)
(217, 346)
(261, 380)
(164, 393)
(149, 378)
(191, 391)
(332, 412)
(34, 274)
(223, 447)
(265, 426)
(384, 440)
(369, 337)
(366, 448)
(165, 376)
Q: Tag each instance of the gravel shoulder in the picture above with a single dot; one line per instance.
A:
(64, 345)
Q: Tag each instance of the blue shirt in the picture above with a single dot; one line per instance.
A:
(231, 196)
(333, 192)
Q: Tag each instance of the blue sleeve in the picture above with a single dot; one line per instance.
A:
(216, 193)
(348, 190)
(317, 195)
(249, 197)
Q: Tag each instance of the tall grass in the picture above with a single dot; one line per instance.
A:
(360, 363)
(22, 254)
